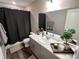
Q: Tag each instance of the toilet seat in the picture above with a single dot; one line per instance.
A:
(26, 42)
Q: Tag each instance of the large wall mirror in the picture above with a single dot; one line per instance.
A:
(61, 20)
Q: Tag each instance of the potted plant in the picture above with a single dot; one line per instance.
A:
(72, 31)
(67, 35)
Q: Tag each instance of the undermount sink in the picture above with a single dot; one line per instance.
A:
(54, 39)
(45, 40)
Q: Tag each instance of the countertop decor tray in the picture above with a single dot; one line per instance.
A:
(61, 51)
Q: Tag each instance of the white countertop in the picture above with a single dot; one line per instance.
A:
(37, 38)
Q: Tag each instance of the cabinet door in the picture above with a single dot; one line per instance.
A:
(31, 43)
(37, 50)
(35, 47)
(45, 54)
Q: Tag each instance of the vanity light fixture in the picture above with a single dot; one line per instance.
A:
(50, 1)
(14, 2)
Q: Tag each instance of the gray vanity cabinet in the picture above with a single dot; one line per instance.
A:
(35, 47)
(45, 54)
(40, 51)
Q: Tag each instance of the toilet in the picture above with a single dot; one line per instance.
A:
(26, 42)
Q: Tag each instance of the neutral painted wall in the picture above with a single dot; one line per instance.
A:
(40, 6)
(58, 19)
(36, 7)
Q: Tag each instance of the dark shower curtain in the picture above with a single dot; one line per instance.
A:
(42, 20)
(23, 22)
(11, 20)
(2, 20)
(17, 23)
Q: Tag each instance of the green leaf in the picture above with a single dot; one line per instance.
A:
(67, 35)
(72, 31)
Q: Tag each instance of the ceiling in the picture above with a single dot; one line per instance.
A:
(23, 3)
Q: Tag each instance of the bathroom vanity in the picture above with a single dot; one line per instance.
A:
(43, 50)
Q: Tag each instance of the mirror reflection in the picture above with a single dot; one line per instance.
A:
(62, 20)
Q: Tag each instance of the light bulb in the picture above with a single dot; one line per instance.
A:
(13, 2)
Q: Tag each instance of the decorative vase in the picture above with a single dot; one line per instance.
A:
(66, 46)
